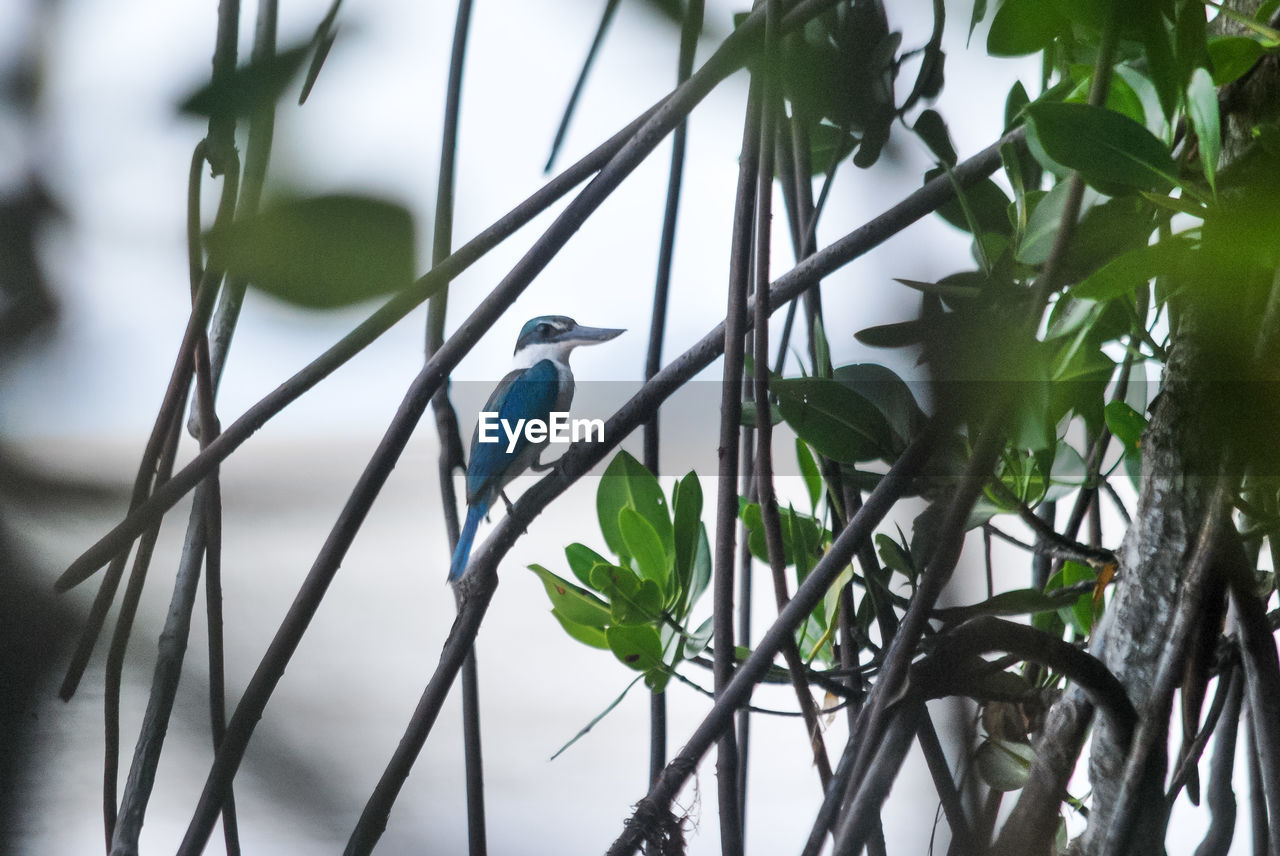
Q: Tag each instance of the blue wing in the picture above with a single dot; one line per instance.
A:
(530, 393)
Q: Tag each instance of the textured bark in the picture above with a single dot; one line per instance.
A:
(1179, 461)
(1185, 447)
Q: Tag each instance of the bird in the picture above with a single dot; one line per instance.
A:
(539, 384)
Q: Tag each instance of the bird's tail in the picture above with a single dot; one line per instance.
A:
(463, 551)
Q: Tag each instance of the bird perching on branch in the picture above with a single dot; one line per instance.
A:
(518, 414)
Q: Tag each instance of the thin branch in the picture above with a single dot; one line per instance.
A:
(726, 525)
(1057, 546)
(1191, 758)
(610, 6)
(451, 454)
(948, 794)
(689, 30)
(1262, 687)
(1220, 795)
(771, 108)
(262, 123)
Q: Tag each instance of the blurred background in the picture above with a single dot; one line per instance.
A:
(93, 300)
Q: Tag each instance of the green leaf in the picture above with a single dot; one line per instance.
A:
(631, 599)
(1023, 27)
(889, 394)
(571, 602)
(1123, 274)
(1232, 56)
(637, 646)
(933, 130)
(1082, 610)
(1004, 764)
(701, 568)
(809, 471)
(1014, 105)
(249, 88)
(1105, 147)
(1126, 423)
(1202, 108)
(592, 636)
(644, 545)
(833, 419)
(1161, 66)
(699, 639)
(985, 201)
(321, 252)
(1042, 226)
(686, 500)
(626, 482)
(596, 719)
(979, 12)
(582, 560)
(821, 350)
(894, 556)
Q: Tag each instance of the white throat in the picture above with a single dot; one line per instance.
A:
(531, 355)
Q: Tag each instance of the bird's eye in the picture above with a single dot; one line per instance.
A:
(544, 328)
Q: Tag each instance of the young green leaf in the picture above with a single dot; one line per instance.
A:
(1108, 149)
(809, 471)
(321, 252)
(1202, 107)
(572, 602)
(1023, 27)
(644, 546)
(591, 636)
(637, 646)
(1161, 66)
(582, 560)
(1126, 423)
(627, 482)
(686, 499)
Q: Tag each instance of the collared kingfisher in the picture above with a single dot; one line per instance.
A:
(539, 384)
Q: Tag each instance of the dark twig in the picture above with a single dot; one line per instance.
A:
(726, 529)
(1227, 678)
(1059, 547)
(451, 454)
(1049, 540)
(1262, 689)
(262, 124)
(690, 28)
(771, 108)
(610, 6)
(948, 794)
(1220, 795)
